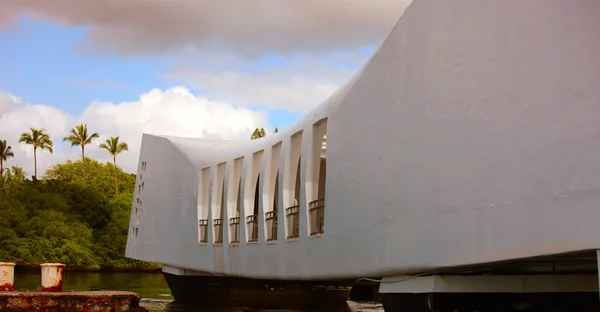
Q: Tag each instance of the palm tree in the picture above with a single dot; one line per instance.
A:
(39, 139)
(113, 146)
(5, 153)
(79, 136)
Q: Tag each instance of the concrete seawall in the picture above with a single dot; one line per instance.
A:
(66, 301)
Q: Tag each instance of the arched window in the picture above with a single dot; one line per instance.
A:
(292, 187)
(252, 197)
(203, 195)
(218, 206)
(234, 200)
(316, 178)
(271, 198)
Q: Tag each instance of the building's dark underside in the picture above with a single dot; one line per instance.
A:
(232, 292)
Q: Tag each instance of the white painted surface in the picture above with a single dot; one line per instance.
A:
(472, 135)
(7, 274)
(52, 275)
(489, 284)
(182, 272)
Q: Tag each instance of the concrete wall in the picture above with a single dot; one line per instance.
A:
(471, 135)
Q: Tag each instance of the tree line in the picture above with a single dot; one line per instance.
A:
(77, 213)
(79, 136)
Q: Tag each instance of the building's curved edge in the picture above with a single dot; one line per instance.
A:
(432, 222)
(227, 149)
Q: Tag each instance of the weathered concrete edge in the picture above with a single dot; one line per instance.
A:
(70, 301)
(94, 294)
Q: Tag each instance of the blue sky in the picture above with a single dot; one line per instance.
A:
(165, 73)
(41, 64)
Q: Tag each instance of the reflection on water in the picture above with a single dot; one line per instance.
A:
(154, 291)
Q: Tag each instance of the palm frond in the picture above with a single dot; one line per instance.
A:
(26, 138)
(122, 147)
(5, 150)
(79, 135)
(113, 146)
(88, 140)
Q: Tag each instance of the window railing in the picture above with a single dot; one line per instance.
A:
(292, 215)
(218, 224)
(252, 222)
(316, 209)
(271, 221)
(234, 227)
(203, 230)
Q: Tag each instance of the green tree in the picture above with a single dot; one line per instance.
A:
(255, 134)
(113, 146)
(12, 218)
(52, 237)
(13, 179)
(41, 225)
(39, 139)
(276, 130)
(5, 153)
(100, 176)
(58, 219)
(258, 133)
(79, 136)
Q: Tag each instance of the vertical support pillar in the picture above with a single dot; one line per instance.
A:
(7, 276)
(52, 276)
(598, 269)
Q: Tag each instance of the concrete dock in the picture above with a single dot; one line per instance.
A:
(67, 301)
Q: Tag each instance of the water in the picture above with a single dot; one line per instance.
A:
(148, 285)
(154, 290)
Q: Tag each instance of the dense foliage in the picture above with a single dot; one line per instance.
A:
(61, 219)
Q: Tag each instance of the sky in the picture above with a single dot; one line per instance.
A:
(206, 69)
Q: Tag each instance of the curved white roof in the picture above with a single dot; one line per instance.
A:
(470, 136)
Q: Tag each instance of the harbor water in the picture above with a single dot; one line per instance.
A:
(154, 291)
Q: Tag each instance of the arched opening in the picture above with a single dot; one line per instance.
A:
(252, 197)
(256, 196)
(234, 200)
(271, 194)
(234, 222)
(316, 178)
(219, 221)
(292, 213)
(271, 216)
(203, 189)
(291, 186)
(218, 203)
(296, 215)
(252, 220)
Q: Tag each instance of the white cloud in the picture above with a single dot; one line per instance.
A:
(296, 83)
(175, 111)
(251, 27)
(214, 43)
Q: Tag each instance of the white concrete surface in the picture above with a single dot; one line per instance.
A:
(472, 135)
(489, 284)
